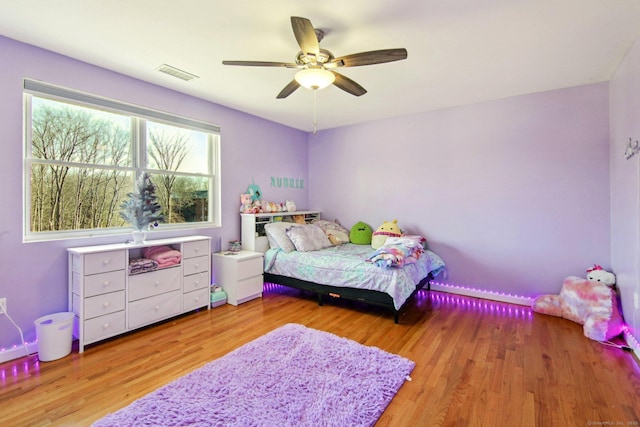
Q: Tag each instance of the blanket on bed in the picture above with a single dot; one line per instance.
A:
(398, 251)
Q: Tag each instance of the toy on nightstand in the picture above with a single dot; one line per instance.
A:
(591, 302)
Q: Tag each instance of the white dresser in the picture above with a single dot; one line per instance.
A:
(107, 301)
(239, 274)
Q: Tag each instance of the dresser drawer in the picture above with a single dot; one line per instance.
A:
(104, 326)
(195, 265)
(104, 283)
(154, 283)
(195, 281)
(195, 249)
(196, 299)
(154, 308)
(249, 268)
(104, 261)
(104, 304)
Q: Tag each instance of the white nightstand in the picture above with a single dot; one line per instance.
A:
(239, 274)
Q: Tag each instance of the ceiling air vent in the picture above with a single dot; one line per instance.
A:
(175, 72)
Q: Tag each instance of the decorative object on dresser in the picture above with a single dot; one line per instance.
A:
(239, 274)
(310, 378)
(114, 288)
(142, 209)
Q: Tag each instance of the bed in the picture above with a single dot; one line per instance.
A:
(343, 271)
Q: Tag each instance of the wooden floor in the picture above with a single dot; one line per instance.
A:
(478, 363)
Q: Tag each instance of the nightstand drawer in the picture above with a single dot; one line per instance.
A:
(195, 249)
(103, 262)
(157, 282)
(104, 283)
(195, 265)
(104, 326)
(103, 304)
(154, 308)
(250, 268)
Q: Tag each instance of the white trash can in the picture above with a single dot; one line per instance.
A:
(55, 336)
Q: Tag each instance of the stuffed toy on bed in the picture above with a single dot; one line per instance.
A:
(387, 229)
(591, 302)
(360, 234)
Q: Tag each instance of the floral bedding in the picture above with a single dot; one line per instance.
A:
(347, 266)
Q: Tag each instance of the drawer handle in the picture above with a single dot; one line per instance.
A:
(105, 284)
(197, 249)
(197, 266)
(106, 304)
(106, 326)
(105, 262)
(157, 307)
(157, 283)
(196, 283)
(196, 299)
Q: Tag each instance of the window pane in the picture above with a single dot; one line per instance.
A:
(170, 148)
(70, 133)
(70, 198)
(183, 199)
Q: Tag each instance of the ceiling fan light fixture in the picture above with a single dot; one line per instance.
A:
(315, 78)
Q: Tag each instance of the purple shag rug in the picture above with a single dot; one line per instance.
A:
(292, 376)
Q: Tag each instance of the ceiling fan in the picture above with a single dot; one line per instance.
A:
(317, 65)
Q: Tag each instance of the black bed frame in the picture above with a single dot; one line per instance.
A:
(364, 295)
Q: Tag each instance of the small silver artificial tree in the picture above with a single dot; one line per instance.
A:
(142, 209)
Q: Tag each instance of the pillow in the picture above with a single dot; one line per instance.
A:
(307, 238)
(334, 228)
(276, 234)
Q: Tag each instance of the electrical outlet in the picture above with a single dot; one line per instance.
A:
(3, 305)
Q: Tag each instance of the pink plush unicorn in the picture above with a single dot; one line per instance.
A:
(591, 302)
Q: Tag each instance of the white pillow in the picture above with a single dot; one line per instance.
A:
(333, 227)
(308, 237)
(276, 234)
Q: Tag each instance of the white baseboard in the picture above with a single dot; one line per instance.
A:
(632, 343)
(481, 293)
(17, 352)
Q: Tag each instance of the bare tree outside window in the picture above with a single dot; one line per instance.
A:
(80, 167)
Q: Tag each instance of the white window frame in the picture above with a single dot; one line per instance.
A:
(139, 116)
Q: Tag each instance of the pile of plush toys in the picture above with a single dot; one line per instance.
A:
(250, 202)
(591, 302)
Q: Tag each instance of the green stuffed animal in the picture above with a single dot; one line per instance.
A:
(387, 229)
(360, 234)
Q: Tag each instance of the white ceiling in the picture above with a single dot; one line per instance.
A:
(459, 51)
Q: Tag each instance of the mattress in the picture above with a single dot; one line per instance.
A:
(346, 266)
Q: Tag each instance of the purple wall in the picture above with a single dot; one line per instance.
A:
(34, 275)
(513, 194)
(625, 185)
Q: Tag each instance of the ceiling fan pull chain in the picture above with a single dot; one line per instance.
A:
(315, 111)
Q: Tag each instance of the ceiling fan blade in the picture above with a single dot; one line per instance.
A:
(260, 64)
(348, 85)
(372, 57)
(305, 35)
(288, 89)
